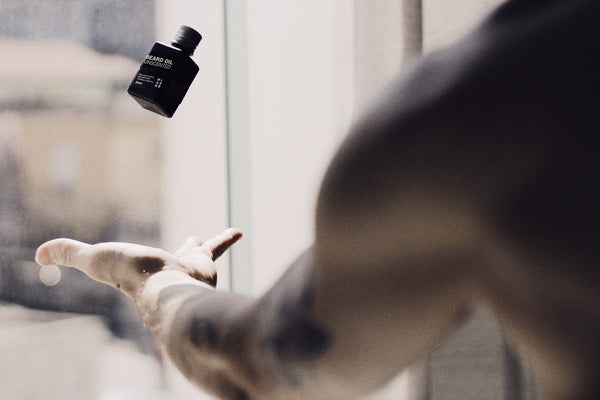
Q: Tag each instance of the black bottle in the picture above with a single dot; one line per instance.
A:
(166, 73)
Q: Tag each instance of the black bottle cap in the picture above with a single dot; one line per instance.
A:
(186, 39)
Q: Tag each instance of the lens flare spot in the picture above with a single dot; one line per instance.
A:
(50, 275)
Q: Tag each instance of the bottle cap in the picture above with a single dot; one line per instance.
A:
(186, 39)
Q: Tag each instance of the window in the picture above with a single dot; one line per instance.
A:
(77, 160)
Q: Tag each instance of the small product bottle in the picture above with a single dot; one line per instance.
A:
(166, 73)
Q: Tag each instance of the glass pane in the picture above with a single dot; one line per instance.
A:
(80, 159)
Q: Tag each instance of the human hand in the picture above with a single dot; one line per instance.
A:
(128, 266)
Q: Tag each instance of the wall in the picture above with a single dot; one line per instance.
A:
(300, 98)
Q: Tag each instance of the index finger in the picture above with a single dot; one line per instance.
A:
(66, 252)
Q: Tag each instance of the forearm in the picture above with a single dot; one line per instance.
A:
(195, 323)
(239, 347)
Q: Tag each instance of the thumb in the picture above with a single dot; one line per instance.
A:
(223, 241)
(60, 252)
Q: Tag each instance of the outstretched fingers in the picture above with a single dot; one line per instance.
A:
(127, 265)
(66, 252)
(190, 244)
(222, 242)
